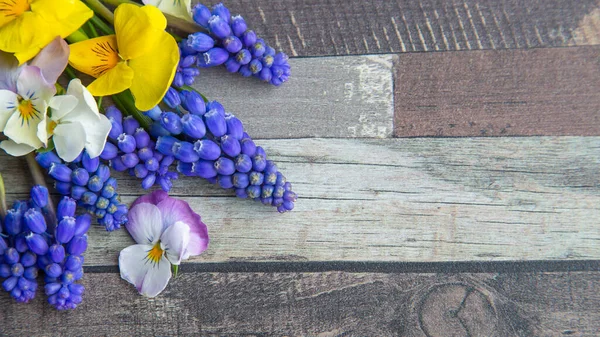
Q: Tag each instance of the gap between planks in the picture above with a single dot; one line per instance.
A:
(413, 200)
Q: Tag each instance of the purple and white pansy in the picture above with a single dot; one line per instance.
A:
(167, 231)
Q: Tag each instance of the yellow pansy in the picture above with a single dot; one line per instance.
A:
(27, 26)
(141, 56)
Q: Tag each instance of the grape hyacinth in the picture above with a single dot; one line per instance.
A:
(63, 263)
(210, 143)
(87, 181)
(34, 241)
(229, 42)
(130, 148)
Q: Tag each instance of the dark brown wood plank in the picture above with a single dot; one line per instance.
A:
(324, 304)
(499, 93)
(343, 27)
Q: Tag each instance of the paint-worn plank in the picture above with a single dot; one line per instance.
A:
(343, 27)
(325, 97)
(324, 304)
(419, 199)
(498, 93)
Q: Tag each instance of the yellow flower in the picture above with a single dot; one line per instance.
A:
(141, 56)
(27, 26)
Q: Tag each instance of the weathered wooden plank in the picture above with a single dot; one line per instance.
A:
(325, 97)
(324, 304)
(342, 27)
(498, 93)
(419, 199)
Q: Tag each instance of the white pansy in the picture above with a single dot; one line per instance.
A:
(178, 8)
(75, 123)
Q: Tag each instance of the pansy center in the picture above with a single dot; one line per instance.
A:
(27, 110)
(156, 253)
(11, 9)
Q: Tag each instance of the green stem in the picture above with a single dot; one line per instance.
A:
(128, 102)
(187, 87)
(106, 29)
(101, 10)
(77, 36)
(91, 28)
(2, 198)
(70, 72)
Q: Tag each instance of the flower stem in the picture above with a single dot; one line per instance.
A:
(101, 25)
(77, 36)
(101, 10)
(38, 179)
(2, 198)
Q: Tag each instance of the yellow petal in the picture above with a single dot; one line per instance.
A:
(95, 56)
(154, 73)
(27, 32)
(114, 81)
(65, 16)
(136, 33)
(157, 18)
(10, 10)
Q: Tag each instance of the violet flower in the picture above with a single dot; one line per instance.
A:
(167, 231)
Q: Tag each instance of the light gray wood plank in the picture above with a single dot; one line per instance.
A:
(323, 304)
(403, 200)
(348, 96)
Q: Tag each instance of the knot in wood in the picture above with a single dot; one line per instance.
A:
(456, 309)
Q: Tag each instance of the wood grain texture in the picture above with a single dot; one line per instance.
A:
(324, 304)
(420, 199)
(343, 27)
(326, 97)
(499, 93)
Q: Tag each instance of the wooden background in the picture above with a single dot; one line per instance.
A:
(447, 158)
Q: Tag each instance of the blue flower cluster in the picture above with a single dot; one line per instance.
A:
(210, 143)
(89, 182)
(32, 240)
(130, 148)
(63, 262)
(231, 44)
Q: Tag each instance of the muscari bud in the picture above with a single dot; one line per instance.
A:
(65, 229)
(13, 222)
(56, 253)
(230, 146)
(37, 243)
(225, 181)
(193, 126)
(60, 172)
(224, 166)
(39, 195)
(232, 65)
(82, 224)
(184, 151)
(129, 160)
(243, 163)
(201, 15)
(235, 128)
(80, 176)
(35, 221)
(249, 38)
(219, 27)
(213, 57)
(215, 122)
(126, 143)
(148, 181)
(200, 42)
(164, 144)
(207, 149)
(232, 43)
(240, 180)
(116, 129)
(243, 57)
(113, 112)
(110, 151)
(142, 138)
(53, 270)
(194, 103)
(78, 245)
(46, 159)
(204, 169)
(238, 25)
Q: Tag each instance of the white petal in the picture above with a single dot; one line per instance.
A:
(24, 132)
(95, 136)
(175, 240)
(145, 223)
(15, 149)
(86, 100)
(178, 8)
(149, 278)
(32, 85)
(69, 140)
(8, 105)
(62, 105)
